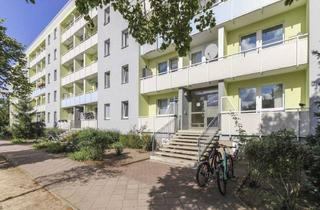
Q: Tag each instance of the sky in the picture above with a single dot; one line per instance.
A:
(25, 21)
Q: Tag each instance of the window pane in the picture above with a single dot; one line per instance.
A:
(125, 74)
(162, 106)
(248, 42)
(272, 96)
(107, 47)
(107, 15)
(212, 99)
(107, 79)
(125, 109)
(162, 68)
(107, 111)
(248, 99)
(272, 35)
(196, 57)
(173, 64)
(125, 36)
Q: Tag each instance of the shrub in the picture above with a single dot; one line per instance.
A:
(91, 143)
(277, 161)
(118, 146)
(49, 146)
(135, 141)
(40, 145)
(146, 142)
(18, 141)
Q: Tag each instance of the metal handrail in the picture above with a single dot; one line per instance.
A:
(200, 153)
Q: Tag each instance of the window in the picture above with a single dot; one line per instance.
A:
(48, 117)
(162, 67)
(196, 57)
(272, 35)
(125, 38)
(49, 39)
(107, 15)
(55, 54)
(124, 109)
(49, 78)
(248, 99)
(107, 111)
(54, 116)
(49, 58)
(48, 98)
(173, 64)
(55, 33)
(55, 75)
(107, 79)
(272, 96)
(125, 74)
(107, 47)
(248, 42)
(165, 106)
(55, 96)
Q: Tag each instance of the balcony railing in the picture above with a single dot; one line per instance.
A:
(38, 92)
(37, 76)
(80, 48)
(80, 74)
(37, 59)
(154, 123)
(289, 53)
(86, 98)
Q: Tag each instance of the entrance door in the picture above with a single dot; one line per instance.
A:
(203, 108)
(77, 117)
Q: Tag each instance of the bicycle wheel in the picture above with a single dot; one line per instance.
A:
(221, 180)
(230, 170)
(203, 173)
(215, 159)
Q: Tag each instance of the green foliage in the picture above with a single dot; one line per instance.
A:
(118, 146)
(41, 145)
(18, 141)
(277, 161)
(49, 146)
(135, 141)
(4, 117)
(12, 65)
(91, 143)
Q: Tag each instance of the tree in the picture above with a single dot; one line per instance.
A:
(12, 65)
(23, 126)
(4, 117)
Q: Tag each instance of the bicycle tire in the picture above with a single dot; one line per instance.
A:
(221, 180)
(217, 157)
(203, 179)
(230, 172)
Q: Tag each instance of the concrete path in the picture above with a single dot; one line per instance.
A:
(143, 185)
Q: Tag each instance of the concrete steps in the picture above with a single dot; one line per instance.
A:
(183, 147)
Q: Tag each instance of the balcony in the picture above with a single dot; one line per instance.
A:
(38, 58)
(37, 92)
(80, 74)
(155, 123)
(290, 53)
(79, 100)
(80, 48)
(76, 25)
(37, 76)
(40, 108)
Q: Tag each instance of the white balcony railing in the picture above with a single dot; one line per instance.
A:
(154, 123)
(38, 92)
(76, 25)
(37, 59)
(37, 76)
(40, 108)
(80, 74)
(289, 53)
(80, 99)
(80, 48)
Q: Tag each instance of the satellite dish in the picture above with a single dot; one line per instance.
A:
(211, 51)
(203, 3)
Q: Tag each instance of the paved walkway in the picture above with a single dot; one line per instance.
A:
(143, 185)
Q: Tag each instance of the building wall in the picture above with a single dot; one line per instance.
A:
(118, 57)
(294, 22)
(294, 85)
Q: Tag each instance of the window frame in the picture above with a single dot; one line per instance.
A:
(49, 39)
(255, 100)
(246, 36)
(105, 113)
(55, 30)
(282, 95)
(107, 47)
(194, 53)
(55, 96)
(48, 78)
(49, 58)
(48, 98)
(107, 73)
(122, 110)
(55, 76)
(125, 38)
(48, 117)
(107, 11)
(158, 68)
(170, 62)
(168, 100)
(55, 54)
(127, 74)
(276, 42)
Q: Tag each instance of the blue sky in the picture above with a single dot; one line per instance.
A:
(24, 21)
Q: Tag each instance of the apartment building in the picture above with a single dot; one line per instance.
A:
(254, 69)
(82, 76)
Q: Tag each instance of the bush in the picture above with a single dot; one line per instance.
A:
(135, 141)
(277, 161)
(5, 133)
(40, 145)
(91, 143)
(118, 146)
(146, 142)
(18, 141)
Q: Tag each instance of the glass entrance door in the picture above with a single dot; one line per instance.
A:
(203, 108)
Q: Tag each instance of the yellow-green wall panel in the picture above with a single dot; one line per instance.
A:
(294, 22)
(294, 85)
